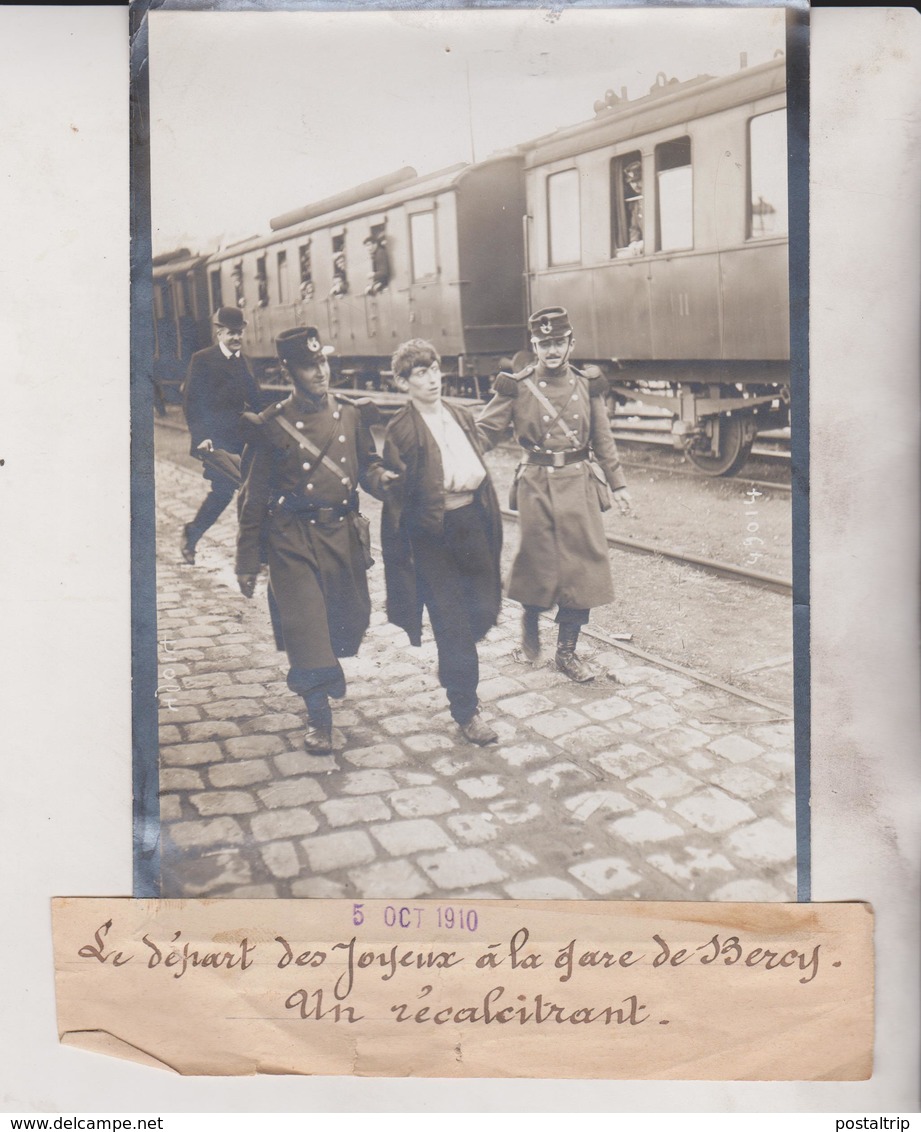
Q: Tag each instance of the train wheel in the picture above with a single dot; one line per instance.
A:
(737, 435)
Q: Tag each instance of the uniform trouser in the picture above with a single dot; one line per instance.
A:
(213, 506)
(565, 618)
(455, 572)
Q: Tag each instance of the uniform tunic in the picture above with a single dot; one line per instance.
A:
(301, 519)
(562, 557)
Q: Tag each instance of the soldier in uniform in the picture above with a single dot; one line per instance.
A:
(218, 390)
(559, 417)
(299, 513)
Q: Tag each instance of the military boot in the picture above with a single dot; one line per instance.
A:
(530, 633)
(567, 661)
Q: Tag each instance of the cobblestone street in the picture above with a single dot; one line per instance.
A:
(643, 784)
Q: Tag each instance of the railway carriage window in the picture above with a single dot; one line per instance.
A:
(159, 306)
(627, 205)
(340, 271)
(564, 219)
(767, 175)
(306, 270)
(379, 275)
(262, 282)
(675, 195)
(422, 239)
(181, 296)
(239, 296)
(214, 280)
(282, 271)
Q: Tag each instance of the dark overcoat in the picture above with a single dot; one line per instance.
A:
(303, 521)
(416, 502)
(218, 391)
(562, 557)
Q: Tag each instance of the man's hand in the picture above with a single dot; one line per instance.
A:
(247, 584)
(388, 477)
(624, 502)
(205, 446)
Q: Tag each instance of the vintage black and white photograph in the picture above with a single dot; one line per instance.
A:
(471, 400)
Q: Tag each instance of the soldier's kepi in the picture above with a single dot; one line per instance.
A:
(569, 459)
(299, 514)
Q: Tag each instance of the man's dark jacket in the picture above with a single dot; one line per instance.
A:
(416, 503)
(218, 390)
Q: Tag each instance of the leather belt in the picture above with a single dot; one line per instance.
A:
(556, 459)
(311, 511)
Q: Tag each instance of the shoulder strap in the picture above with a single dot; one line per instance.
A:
(318, 454)
(548, 407)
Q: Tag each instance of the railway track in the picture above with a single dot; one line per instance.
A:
(712, 566)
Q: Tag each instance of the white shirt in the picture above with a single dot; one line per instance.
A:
(463, 469)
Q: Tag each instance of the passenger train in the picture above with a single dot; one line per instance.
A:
(660, 224)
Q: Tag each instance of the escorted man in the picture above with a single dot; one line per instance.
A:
(441, 532)
(219, 388)
(559, 417)
(299, 513)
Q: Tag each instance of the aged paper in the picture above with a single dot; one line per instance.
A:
(632, 991)
(66, 720)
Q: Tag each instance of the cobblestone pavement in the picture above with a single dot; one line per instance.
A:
(634, 786)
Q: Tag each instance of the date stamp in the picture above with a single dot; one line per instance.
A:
(448, 917)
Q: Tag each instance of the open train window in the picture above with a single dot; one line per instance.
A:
(767, 175)
(158, 303)
(238, 293)
(214, 284)
(340, 269)
(674, 196)
(627, 205)
(379, 257)
(262, 282)
(306, 271)
(282, 275)
(422, 242)
(564, 219)
(181, 295)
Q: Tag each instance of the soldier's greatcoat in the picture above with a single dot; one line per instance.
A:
(562, 558)
(302, 518)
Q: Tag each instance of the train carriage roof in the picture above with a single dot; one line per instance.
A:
(431, 184)
(667, 104)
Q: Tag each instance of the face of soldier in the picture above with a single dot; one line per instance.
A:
(424, 385)
(310, 380)
(552, 353)
(230, 339)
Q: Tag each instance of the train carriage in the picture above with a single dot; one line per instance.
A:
(662, 226)
(436, 257)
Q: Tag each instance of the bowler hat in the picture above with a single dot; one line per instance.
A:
(551, 322)
(231, 318)
(302, 346)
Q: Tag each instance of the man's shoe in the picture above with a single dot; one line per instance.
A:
(530, 634)
(318, 740)
(477, 730)
(570, 665)
(187, 546)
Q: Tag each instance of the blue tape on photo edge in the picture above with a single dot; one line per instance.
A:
(144, 718)
(798, 178)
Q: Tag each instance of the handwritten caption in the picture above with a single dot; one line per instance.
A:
(533, 985)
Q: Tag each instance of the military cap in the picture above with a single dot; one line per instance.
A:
(231, 318)
(302, 346)
(551, 322)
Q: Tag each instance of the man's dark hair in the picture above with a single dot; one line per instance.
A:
(415, 352)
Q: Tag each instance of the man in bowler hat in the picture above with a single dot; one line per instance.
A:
(219, 388)
(299, 513)
(559, 418)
